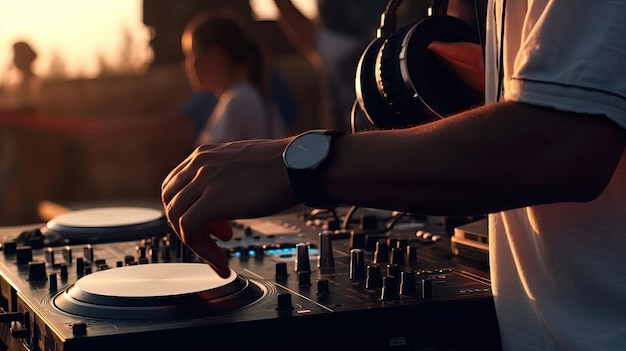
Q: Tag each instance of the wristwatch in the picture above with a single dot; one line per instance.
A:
(304, 157)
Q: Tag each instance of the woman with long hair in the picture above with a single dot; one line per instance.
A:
(222, 58)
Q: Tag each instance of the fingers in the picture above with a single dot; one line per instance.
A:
(187, 214)
(176, 182)
(203, 245)
(184, 173)
(208, 250)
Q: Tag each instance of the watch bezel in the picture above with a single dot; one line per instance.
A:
(316, 157)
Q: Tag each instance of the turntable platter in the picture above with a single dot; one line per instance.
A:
(109, 224)
(156, 291)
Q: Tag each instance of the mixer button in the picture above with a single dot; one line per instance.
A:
(67, 254)
(24, 254)
(128, 259)
(80, 266)
(63, 271)
(36, 242)
(141, 251)
(53, 286)
(79, 328)
(9, 248)
(37, 271)
(49, 255)
(88, 253)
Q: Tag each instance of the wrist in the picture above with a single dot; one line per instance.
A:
(306, 158)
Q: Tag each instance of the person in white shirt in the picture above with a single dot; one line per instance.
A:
(222, 58)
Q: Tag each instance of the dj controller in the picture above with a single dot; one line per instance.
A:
(350, 279)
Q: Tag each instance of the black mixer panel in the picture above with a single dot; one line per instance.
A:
(302, 280)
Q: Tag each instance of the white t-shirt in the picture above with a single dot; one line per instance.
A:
(242, 113)
(559, 271)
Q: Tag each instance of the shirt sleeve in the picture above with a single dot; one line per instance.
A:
(572, 57)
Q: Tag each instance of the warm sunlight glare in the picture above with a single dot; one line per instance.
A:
(266, 10)
(76, 38)
(81, 34)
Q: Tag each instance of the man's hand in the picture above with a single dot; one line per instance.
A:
(220, 182)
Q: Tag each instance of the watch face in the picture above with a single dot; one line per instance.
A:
(307, 151)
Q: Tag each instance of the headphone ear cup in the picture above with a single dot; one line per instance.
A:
(368, 97)
(400, 82)
(406, 106)
(415, 86)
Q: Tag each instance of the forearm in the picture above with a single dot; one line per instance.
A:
(497, 157)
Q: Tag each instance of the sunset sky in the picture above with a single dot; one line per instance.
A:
(82, 31)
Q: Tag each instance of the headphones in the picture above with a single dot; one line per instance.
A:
(400, 83)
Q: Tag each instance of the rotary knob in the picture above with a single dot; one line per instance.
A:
(357, 240)
(357, 265)
(407, 284)
(374, 278)
(284, 303)
(281, 271)
(302, 263)
(389, 291)
(326, 258)
(427, 288)
(397, 256)
(381, 254)
(322, 287)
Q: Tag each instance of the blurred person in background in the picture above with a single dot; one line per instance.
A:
(223, 59)
(333, 45)
(21, 91)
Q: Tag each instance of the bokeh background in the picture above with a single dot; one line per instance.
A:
(111, 73)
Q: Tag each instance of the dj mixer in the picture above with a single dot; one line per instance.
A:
(350, 279)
